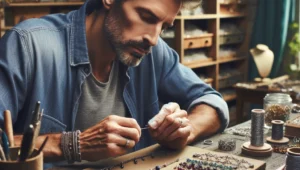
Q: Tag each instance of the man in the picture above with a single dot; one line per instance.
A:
(103, 70)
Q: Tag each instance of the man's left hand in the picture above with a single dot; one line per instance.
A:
(171, 127)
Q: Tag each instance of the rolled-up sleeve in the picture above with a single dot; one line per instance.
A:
(180, 84)
(218, 104)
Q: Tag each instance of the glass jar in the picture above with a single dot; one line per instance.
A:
(277, 107)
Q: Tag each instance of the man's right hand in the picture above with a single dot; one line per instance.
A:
(111, 137)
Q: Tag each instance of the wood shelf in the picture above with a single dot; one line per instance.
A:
(193, 17)
(37, 4)
(230, 59)
(232, 15)
(199, 63)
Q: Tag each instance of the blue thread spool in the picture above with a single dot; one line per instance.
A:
(277, 133)
(292, 159)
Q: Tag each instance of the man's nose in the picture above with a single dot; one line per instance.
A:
(152, 35)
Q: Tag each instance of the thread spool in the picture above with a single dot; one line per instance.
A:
(257, 127)
(277, 133)
(256, 146)
(292, 159)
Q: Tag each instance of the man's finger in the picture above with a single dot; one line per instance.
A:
(179, 123)
(130, 133)
(170, 120)
(130, 123)
(119, 140)
(166, 110)
(183, 132)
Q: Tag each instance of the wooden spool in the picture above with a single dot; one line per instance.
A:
(262, 151)
(284, 140)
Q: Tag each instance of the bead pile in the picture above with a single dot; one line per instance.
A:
(191, 164)
(228, 161)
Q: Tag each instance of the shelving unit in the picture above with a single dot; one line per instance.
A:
(14, 12)
(217, 13)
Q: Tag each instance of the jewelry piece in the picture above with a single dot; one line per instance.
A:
(127, 142)
(207, 142)
(122, 164)
(180, 121)
(158, 167)
(227, 144)
(191, 164)
(235, 163)
(280, 149)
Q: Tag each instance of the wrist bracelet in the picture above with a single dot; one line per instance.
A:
(227, 144)
(70, 146)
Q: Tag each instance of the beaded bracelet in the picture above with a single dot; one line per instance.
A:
(227, 144)
(70, 146)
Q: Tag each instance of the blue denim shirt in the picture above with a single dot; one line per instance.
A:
(47, 60)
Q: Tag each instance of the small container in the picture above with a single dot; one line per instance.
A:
(34, 163)
(292, 159)
(277, 107)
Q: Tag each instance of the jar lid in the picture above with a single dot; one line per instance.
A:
(278, 97)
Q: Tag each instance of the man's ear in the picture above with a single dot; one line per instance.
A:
(107, 3)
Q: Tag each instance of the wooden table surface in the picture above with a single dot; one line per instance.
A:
(274, 162)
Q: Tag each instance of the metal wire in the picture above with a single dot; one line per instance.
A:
(257, 127)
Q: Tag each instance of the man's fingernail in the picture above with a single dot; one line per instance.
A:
(152, 123)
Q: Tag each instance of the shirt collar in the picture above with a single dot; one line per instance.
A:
(78, 44)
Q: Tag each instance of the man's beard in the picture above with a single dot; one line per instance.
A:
(114, 36)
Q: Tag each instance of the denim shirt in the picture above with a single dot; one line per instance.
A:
(47, 60)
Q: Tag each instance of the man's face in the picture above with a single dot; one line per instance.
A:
(133, 26)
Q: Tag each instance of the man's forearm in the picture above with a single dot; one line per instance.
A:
(51, 151)
(204, 120)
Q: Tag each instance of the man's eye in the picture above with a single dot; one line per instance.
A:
(148, 18)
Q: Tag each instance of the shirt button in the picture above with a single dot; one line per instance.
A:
(86, 70)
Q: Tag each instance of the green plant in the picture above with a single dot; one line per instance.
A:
(293, 51)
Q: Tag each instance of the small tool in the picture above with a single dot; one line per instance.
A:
(8, 127)
(41, 148)
(27, 143)
(146, 127)
(5, 145)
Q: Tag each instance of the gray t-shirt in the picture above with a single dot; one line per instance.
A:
(98, 100)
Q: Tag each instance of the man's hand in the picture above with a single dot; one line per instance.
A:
(113, 136)
(170, 127)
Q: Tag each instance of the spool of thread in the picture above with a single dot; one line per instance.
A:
(257, 127)
(292, 159)
(277, 129)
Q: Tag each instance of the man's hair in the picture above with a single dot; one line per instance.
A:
(97, 4)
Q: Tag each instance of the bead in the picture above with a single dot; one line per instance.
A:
(121, 165)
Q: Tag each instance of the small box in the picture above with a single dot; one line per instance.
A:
(198, 42)
(292, 128)
(231, 38)
(34, 163)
